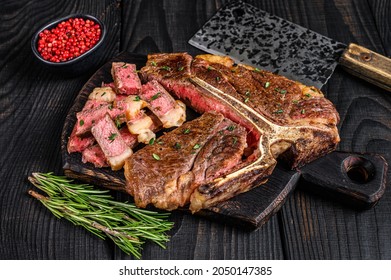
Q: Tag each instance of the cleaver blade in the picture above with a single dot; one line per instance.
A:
(252, 36)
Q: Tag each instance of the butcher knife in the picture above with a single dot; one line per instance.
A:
(252, 36)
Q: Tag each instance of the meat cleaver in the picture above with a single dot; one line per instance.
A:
(252, 36)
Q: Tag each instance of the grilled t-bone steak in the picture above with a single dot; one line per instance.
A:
(283, 118)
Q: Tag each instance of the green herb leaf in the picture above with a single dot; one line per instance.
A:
(165, 67)
(110, 107)
(124, 65)
(267, 84)
(137, 98)
(186, 131)
(246, 99)
(295, 101)
(177, 146)
(217, 79)
(231, 128)
(280, 111)
(156, 157)
(153, 63)
(112, 137)
(180, 68)
(234, 140)
(81, 122)
(103, 93)
(308, 95)
(151, 141)
(156, 96)
(257, 70)
(302, 111)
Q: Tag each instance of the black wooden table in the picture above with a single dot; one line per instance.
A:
(34, 103)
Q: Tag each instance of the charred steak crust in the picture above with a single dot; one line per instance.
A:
(160, 174)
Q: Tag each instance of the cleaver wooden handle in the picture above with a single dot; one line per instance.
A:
(357, 180)
(367, 65)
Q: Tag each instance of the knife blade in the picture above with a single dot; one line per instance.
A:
(252, 36)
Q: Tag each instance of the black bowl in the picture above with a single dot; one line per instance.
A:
(76, 66)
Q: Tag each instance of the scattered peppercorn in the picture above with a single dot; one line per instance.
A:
(68, 40)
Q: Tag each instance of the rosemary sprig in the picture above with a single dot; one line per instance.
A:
(128, 226)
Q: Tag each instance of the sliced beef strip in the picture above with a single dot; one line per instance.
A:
(111, 142)
(125, 78)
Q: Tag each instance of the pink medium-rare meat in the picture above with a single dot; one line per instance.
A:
(125, 78)
(111, 142)
(87, 118)
(171, 112)
(164, 173)
(94, 154)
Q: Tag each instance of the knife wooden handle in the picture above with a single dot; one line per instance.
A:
(357, 180)
(367, 65)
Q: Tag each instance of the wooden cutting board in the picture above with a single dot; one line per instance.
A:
(329, 176)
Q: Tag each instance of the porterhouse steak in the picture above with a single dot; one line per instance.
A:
(278, 117)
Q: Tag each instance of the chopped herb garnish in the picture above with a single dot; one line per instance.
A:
(280, 111)
(234, 140)
(137, 98)
(247, 93)
(165, 67)
(160, 142)
(81, 122)
(177, 146)
(151, 141)
(153, 63)
(124, 65)
(156, 96)
(156, 157)
(231, 128)
(295, 101)
(308, 95)
(112, 137)
(210, 68)
(196, 146)
(257, 70)
(282, 91)
(267, 84)
(303, 111)
(110, 107)
(103, 93)
(246, 99)
(180, 68)
(186, 131)
(217, 79)
(118, 121)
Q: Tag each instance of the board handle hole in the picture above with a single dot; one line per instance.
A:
(358, 169)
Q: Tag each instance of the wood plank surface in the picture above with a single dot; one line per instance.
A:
(34, 103)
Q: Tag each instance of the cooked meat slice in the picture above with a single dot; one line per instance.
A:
(125, 78)
(87, 118)
(95, 155)
(163, 105)
(111, 142)
(160, 174)
(78, 143)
